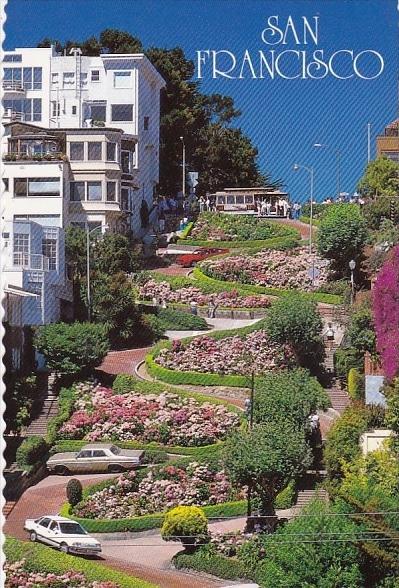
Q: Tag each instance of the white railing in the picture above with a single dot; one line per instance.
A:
(12, 115)
(32, 261)
(9, 85)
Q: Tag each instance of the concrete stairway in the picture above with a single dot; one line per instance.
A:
(339, 398)
(48, 410)
(306, 496)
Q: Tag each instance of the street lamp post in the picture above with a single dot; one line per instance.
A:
(352, 265)
(338, 155)
(184, 169)
(88, 233)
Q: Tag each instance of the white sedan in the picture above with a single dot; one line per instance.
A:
(67, 535)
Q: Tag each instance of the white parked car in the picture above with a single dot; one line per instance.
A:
(96, 457)
(67, 535)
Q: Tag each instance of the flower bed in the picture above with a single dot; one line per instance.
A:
(229, 356)
(233, 229)
(269, 268)
(232, 299)
(18, 576)
(167, 418)
(158, 490)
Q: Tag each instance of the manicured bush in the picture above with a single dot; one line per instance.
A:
(355, 384)
(72, 348)
(42, 559)
(207, 561)
(74, 491)
(31, 451)
(151, 329)
(181, 321)
(187, 524)
(286, 498)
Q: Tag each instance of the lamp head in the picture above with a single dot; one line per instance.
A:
(181, 138)
(352, 264)
(295, 167)
(318, 145)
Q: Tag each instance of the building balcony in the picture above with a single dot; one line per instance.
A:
(11, 88)
(10, 115)
(50, 156)
(28, 261)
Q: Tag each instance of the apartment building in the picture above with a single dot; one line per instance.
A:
(111, 91)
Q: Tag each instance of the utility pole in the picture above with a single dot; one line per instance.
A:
(368, 142)
(184, 169)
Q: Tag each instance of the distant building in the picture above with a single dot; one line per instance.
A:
(388, 143)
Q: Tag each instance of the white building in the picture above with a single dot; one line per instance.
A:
(111, 91)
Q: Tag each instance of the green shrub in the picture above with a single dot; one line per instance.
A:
(66, 399)
(72, 348)
(74, 491)
(151, 328)
(286, 498)
(31, 451)
(151, 456)
(208, 561)
(181, 321)
(346, 358)
(355, 390)
(187, 524)
(42, 559)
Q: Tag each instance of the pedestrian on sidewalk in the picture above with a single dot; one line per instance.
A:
(212, 309)
(193, 308)
(330, 335)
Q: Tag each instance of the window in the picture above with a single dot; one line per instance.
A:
(13, 57)
(43, 187)
(21, 249)
(27, 75)
(122, 79)
(111, 151)
(44, 522)
(54, 79)
(37, 78)
(146, 123)
(12, 77)
(94, 151)
(77, 191)
(49, 247)
(127, 161)
(125, 198)
(122, 112)
(94, 191)
(98, 453)
(98, 112)
(55, 109)
(68, 78)
(5, 184)
(20, 187)
(83, 79)
(95, 75)
(74, 110)
(77, 151)
(111, 191)
(54, 527)
(115, 450)
(85, 453)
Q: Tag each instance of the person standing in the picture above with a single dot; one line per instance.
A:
(208, 204)
(193, 308)
(201, 204)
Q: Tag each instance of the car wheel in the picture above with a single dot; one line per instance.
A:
(115, 469)
(62, 471)
(33, 536)
(64, 548)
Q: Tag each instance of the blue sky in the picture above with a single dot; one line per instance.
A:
(284, 118)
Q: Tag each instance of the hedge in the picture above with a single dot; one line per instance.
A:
(288, 241)
(31, 451)
(223, 286)
(124, 383)
(40, 558)
(152, 521)
(355, 384)
(206, 561)
(65, 445)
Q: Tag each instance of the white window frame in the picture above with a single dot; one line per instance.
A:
(123, 74)
(91, 76)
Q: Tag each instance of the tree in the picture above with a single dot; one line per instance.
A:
(113, 305)
(292, 562)
(360, 330)
(341, 236)
(386, 313)
(294, 319)
(72, 348)
(187, 524)
(378, 210)
(265, 458)
(74, 491)
(380, 178)
(290, 395)
(116, 41)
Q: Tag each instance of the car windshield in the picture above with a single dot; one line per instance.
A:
(72, 529)
(115, 450)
